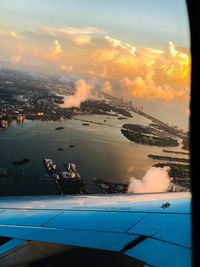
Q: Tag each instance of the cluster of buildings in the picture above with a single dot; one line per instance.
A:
(70, 172)
(67, 182)
(129, 104)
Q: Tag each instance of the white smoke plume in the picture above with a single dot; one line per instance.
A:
(83, 91)
(170, 49)
(155, 180)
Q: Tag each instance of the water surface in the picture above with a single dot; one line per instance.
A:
(100, 150)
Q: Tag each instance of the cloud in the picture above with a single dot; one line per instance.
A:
(119, 44)
(146, 88)
(106, 88)
(13, 34)
(104, 73)
(91, 53)
(80, 36)
(55, 50)
(8, 34)
(159, 75)
(72, 30)
(83, 92)
(82, 40)
(187, 111)
(36, 53)
(16, 59)
(170, 49)
(66, 69)
(154, 180)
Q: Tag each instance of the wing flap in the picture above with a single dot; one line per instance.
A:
(19, 252)
(82, 238)
(10, 246)
(159, 253)
(174, 228)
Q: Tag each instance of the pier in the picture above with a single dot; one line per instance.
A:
(68, 181)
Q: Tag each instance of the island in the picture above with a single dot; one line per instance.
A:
(180, 173)
(158, 157)
(186, 143)
(122, 118)
(59, 128)
(176, 152)
(109, 187)
(147, 135)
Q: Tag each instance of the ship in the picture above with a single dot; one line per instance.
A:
(50, 165)
(71, 172)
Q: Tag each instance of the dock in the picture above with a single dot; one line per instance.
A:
(68, 181)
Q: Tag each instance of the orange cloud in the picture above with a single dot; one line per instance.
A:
(141, 72)
(155, 74)
(146, 88)
(104, 73)
(82, 40)
(16, 59)
(13, 34)
(119, 44)
(55, 50)
(72, 30)
(80, 36)
(187, 111)
(66, 69)
(9, 34)
(107, 88)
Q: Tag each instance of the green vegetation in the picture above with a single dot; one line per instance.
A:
(176, 169)
(59, 128)
(176, 152)
(169, 158)
(186, 145)
(179, 172)
(139, 128)
(140, 138)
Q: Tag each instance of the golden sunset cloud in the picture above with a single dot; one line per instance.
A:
(107, 88)
(8, 34)
(16, 59)
(89, 52)
(55, 50)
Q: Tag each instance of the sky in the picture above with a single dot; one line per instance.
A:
(139, 49)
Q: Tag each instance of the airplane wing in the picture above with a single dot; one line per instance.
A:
(153, 228)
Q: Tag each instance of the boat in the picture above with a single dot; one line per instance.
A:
(19, 162)
(71, 145)
(50, 165)
(59, 128)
